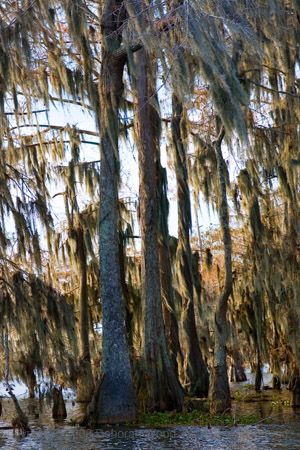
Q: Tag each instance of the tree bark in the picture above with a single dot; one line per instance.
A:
(168, 307)
(196, 373)
(275, 363)
(59, 411)
(219, 391)
(163, 387)
(296, 392)
(85, 378)
(128, 313)
(238, 372)
(166, 278)
(115, 401)
(295, 387)
(258, 373)
(276, 383)
(31, 382)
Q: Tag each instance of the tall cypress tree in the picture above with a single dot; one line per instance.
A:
(165, 392)
(115, 400)
(196, 373)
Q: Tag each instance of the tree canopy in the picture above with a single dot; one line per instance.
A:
(215, 85)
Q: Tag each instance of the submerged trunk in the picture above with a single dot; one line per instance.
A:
(196, 373)
(114, 402)
(219, 391)
(164, 390)
(85, 378)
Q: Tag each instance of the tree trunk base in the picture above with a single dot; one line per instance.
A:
(85, 382)
(276, 383)
(296, 391)
(199, 388)
(237, 372)
(59, 411)
(196, 377)
(219, 395)
(258, 378)
(31, 384)
(113, 401)
(19, 425)
(167, 393)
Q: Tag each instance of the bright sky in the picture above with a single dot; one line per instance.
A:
(129, 168)
(76, 116)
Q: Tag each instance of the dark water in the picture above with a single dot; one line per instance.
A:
(285, 436)
(46, 435)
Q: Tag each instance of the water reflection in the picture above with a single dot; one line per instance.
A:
(181, 438)
(48, 435)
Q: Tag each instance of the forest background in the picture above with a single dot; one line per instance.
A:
(201, 80)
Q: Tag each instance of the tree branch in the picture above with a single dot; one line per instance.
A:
(273, 90)
(122, 52)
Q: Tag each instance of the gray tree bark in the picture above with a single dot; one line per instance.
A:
(163, 387)
(168, 307)
(115, 400)
(237, 373)
(85, 378)
(219, 390)
(196, 373)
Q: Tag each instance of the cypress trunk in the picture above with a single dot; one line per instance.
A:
(85, 378)
(31, 382)
(168, 307)
(276, 383)
(275, 361)
(163, 387)
(294, 385)
(258, 373)
(196, 373)
(30, 378)
(114, 402)
(238, 372)
(166, 278)
(59, 411)
(128, 313)
(296, 392)
(219, 390)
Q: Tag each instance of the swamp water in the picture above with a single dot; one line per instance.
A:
(47, 435)
(181, 438)
(277, 427)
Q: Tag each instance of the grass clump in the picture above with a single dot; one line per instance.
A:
(195, 418)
